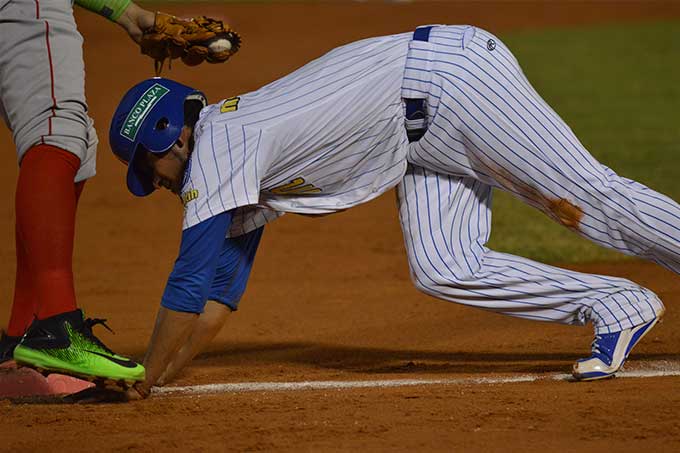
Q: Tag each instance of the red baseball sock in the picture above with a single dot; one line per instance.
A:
(46, 201)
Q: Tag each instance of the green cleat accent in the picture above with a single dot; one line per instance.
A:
(65, 343)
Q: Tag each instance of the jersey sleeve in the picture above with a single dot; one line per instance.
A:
(233, 268)
(191, 279)
(223, 171)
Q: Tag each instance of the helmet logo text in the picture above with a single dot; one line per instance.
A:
(141, 109)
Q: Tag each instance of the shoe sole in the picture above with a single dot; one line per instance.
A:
(598, 375)
(99, 382)
(47, 365)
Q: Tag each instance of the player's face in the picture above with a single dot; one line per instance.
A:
(167, 169)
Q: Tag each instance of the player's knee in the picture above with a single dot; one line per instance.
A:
(434, 285)
(427, 288)
(428, 279)
(67, 128)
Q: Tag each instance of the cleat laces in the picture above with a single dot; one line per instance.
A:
(86, 330)
(595, 345)
(603, 347)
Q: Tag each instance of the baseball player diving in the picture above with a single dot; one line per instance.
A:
(445, 114)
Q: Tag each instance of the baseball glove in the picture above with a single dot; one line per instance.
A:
(193, 40)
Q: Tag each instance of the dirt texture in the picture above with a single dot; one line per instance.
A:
(331, 299)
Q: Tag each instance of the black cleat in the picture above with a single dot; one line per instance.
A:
(7, 345)
(65, 344)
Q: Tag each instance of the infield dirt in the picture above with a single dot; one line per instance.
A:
(331, 299)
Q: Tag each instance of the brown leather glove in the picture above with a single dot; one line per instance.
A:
(193, 40)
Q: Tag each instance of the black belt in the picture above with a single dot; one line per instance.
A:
(415, 108)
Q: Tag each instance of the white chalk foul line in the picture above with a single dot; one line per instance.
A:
(207, 389)
(325, 385)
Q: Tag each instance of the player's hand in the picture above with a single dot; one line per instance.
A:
(135, 20)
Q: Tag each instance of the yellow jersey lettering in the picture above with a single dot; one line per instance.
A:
(230, 105)
(296, 187)
(188, 196)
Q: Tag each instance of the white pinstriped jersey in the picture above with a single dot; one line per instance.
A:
(325, 138)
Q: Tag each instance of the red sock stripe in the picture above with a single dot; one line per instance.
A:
(37, 9)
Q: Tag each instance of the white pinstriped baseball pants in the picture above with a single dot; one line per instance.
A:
(487, 127)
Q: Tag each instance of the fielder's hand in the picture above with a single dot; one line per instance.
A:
(135, 20)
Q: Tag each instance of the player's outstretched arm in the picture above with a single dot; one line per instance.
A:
(171, 331)
(228, 285)
(133, 18)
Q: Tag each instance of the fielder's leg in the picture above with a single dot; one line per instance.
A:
(42, 86)
(43, 97)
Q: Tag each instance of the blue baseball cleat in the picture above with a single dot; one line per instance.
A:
(610, 351)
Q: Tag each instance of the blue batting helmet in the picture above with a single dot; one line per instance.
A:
(150, 115)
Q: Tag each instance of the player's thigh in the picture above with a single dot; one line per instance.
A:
(42, 77)
(446, 221)
(492, 125)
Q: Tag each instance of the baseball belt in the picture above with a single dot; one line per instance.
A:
(416, 110)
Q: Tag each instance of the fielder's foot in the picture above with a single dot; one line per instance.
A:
(65, 344)
(7, 345)
(610, 351)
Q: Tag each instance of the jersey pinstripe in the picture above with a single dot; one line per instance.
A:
(325, 138)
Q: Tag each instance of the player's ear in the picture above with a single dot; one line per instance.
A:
(184, 136)
(184, 144)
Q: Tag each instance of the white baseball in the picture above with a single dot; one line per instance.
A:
(219, 45)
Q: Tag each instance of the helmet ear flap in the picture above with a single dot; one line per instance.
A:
(192, 110)
(140, 174)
